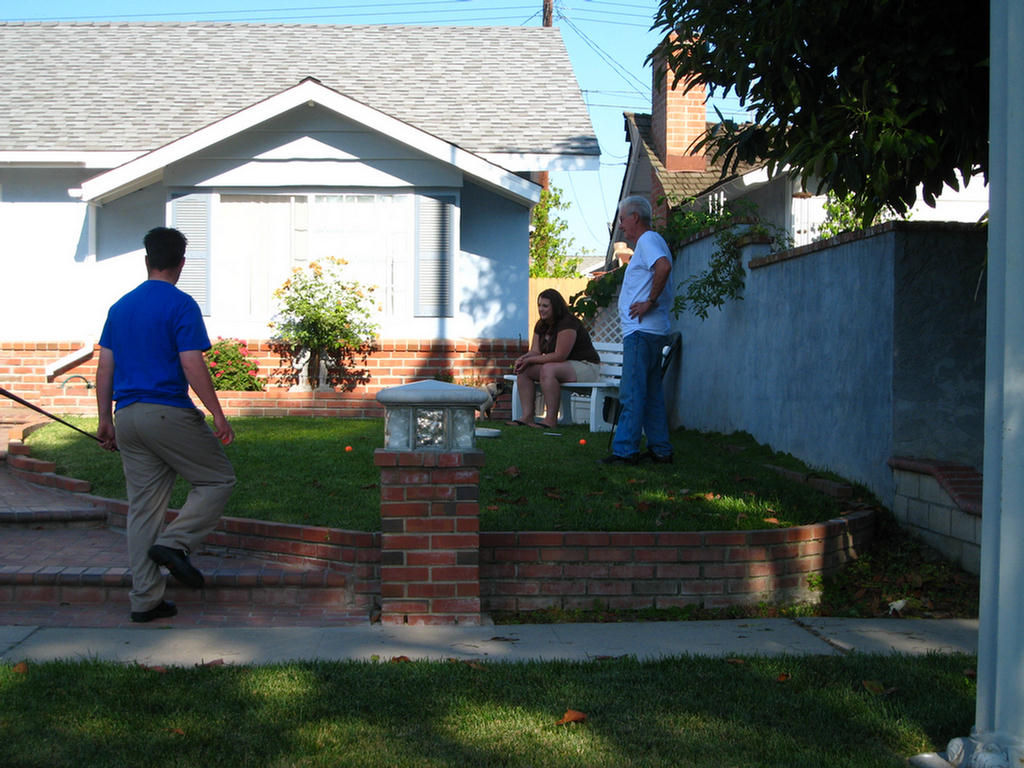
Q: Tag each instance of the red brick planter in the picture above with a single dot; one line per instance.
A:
(524, 571)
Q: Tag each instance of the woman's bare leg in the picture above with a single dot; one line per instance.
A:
(551, 377)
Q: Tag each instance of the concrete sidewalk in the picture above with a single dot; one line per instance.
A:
(170, 646)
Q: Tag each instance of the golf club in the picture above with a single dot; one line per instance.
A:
(36, 408)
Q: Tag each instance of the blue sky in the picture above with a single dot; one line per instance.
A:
(607, 41)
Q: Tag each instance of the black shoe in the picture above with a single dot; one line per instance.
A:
(650, 455)
(612, 458)
(176, 561)
(163, 610)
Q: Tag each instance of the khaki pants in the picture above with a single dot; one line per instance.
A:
(157, 444)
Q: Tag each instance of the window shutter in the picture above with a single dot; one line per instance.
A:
(190, 215)
(434, 254)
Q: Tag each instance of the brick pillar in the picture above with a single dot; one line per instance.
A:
(430, 536)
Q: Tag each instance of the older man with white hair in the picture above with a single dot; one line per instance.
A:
(645, 304)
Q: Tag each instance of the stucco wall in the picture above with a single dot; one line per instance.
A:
(64, 262)
(839, 353)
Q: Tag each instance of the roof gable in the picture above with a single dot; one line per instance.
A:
(680, 185)
(146, 168)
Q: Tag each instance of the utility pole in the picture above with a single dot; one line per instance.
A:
(542, 177)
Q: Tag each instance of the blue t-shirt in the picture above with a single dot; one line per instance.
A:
(146, 330)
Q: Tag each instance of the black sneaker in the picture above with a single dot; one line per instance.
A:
(176, 561)
(163, 610)
(650, 455)
(612, 458)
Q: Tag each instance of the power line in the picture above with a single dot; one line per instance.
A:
(318, 11)
(622, 71)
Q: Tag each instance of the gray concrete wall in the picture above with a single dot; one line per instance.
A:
(939, 344)
(840, 354)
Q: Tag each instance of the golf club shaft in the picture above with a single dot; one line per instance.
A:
(37, 409)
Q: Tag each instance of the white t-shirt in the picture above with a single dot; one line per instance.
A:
(636, 286)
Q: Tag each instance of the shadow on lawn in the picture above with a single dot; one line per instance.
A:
(753, 712)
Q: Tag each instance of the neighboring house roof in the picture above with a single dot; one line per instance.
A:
(499, 92)
(679, 185)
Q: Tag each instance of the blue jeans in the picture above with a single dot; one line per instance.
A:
(641, 395)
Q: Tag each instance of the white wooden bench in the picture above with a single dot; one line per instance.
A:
(606, 386)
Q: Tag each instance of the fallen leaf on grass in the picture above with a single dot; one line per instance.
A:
(175, 731)
(21, 668)
(512, 471)
(158, 669)
(399, 659)
(772, 520)
(783, 677)
(642, 506)
(571, 716)
(876, 688)
(492, 507)
(554, 495)
(737, 662)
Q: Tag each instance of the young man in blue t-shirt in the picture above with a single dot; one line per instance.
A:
(151, 352)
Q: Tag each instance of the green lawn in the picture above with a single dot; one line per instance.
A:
(296, 470)
(757, 712)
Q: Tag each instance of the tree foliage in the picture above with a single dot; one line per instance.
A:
(869, 99)
(550, 248)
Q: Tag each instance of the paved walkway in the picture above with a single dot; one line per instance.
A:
(249, 635)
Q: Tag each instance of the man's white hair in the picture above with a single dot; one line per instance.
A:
(638, 205)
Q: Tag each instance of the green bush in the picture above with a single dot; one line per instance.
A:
(231, 368)
(327, 316)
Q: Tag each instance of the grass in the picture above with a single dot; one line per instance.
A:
(297, 470)
(757, 711)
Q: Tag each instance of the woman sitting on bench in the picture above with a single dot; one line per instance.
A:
(561, 351)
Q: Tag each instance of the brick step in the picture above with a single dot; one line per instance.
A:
(86, 516)
(82, 569)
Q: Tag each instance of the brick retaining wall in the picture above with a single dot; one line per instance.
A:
(940, 503)
(396, 361)
(524, 571)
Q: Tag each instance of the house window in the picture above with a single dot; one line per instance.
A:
(263, 237)
(434, 253)
(190, 215)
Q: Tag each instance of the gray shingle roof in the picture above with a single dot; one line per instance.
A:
(138, 86)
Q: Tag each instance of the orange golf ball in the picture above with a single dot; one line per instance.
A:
(348, 449)
(583, 441)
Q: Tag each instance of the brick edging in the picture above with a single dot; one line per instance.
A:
(962, 482)
(530, 570)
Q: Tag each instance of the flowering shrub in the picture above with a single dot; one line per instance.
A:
(231, 368)
(326, 316)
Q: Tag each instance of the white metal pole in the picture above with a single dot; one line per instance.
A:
(997, 739)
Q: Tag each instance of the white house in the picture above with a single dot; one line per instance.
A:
(411, 152)
(661, 163)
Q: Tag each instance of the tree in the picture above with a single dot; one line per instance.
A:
(869, 99)
(550, 249)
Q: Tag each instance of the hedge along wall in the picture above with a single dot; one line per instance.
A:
(23, 371)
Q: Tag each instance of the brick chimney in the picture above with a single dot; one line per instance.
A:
(677, 120)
